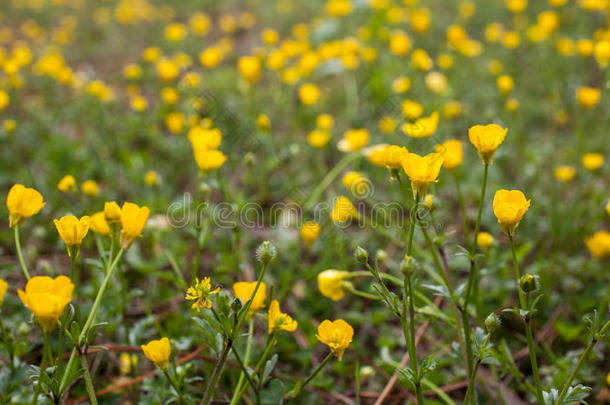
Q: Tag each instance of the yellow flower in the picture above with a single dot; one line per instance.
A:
(67, 183)
(309, 93)
(263, 123)
(436, 82)
(330, 283)
(175, 32)
(401, 84)
(356, 183)
(451, 151)
(336, 334)
(22, 203)
(338, 8)
(509, 207)
(278, 321)
(127, 361)
(3, 288)
(487, 138)
(592, 161)
(387, 125)
(249, 68)
(270, 36)
(588, 97)
(608, 207)
(601, 52)
(422, 127)
(169, 95)
(485, 240)
(5, 99)
(325, 121)
(204, 138)
(200, 23)
(151, 178)
(167, 70)
(411, 109)
(90, 188)
(209, 159)
(400, 43)
(516, 6)
(505, 84)
(174, 121)
(565, 173)
(133, 220)
(599, 244)
(151, 54)
(318, 138)
(158, 351)
(71, 229)
(98, 224)
(422, 170)
(343, 210)
(112, 212)
(452, 109)
(210, 57)
(353, 140)
(512, 104)
(244, 290)
(310, 231)
(46, 298)
(200, 293)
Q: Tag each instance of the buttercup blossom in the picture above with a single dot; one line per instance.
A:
(309, 93)
(451, 151)
(588, 97)
(133, 220)
(330, 283)
(112, 212)
(422, 127)
(249, 68)
(485, 240)
(318, 138)
(209, 160)
(422, 170)
(592, 161)
(278, 321)
(98, 224)
(22, 203)
(244, 290)
(200, 293)
(487, 138)
(310, 232)
(343, 210)
(3, 289)
(509, 207)
(565, 173)
(599, 244)
(67, 184)
(158, 351)
(337, 335)
(204, 138)
(71, 229)
(46, 298)
(354, 140)
(90, 188)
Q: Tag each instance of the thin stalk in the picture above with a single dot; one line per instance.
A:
(411, 348)
(364, 294)
(315, 372)
(240, 382)
(175, 385)
(73, 276)
(473, 376)
(261, 361)
(88, 380)
(581, 361)
(20, 254)
(210, 389)
(45, 349)
(472, 276)
(458, 190)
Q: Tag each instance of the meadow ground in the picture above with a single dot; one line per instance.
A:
(302, 201)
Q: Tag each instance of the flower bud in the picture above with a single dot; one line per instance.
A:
(381, 255)
(204, 189)
(265, 252)
(408, 266)
(528, 283)
(492, 322)
(362, 255)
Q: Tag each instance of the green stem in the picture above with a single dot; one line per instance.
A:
(517, 273)
(330, 176)
(458, 190)
(210, 389)
(364, 294)
(45, 349)
(314, 373)
(473, 376)
(88, 380)
(472, 276)
(20, 254)
(175, 385)
(240, 382)
(581, 361)
(73, 276)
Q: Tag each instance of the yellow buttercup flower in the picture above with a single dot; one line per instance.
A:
(355, 182)
(509, 207)
(151, 178)
(401, 84)
(204, 138)
(565, 173)
(487, 138)
(90, 188)
(343, 210)
(608, 207)
(422, 170)
(3, 289)
(158, 351)
(451, 151)
(46, 298)
(592, 161)
(310, 231)
(422, 127)
(22, 202)
(278, 321)
(67, 184)
(338, 8)
(309, 93)
(133, 220)
(330, 283)
(209, 160)
(98, 224)
(318, 138)
(249, 68)
(175, 32)
(200, 293)
(485, 240)
(505, 84)
(112, 212)
(353, 140)
(210, 57)
(325, 121)
(167, 70)
(411, 109)
(127, 361)
(243, 290)
(174, 121)
(336, 334)
(263, 123)
(71, 229)
(400, 43)
(588, 97)
(599, 244)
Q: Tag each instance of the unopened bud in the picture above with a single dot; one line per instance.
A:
(265, 252)
(408, 266)
(249, 159)
(528, 283)
(381, 255)
(362, 255)
(492, 322)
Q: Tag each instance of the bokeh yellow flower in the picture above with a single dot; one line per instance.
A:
(422, 127)
(592, 161)
(599, 244)
(46, 298)
(310, 231)
(278, 321)
(22, 202)
(565, 173)
(451, 151)
(112, 212)
(158, 351)
(249, 68)
(421, 170)
(487, 138)
(71, 229)
(133, 220)
(309, 93)
(354, 140)
(3, 289)
(588, 97)
(343, 210)
(337, 335)
(510, 207)
(67, 184)
(318, 138)
(90, 188)
(243, 290)
(485, 240)
(209, 159)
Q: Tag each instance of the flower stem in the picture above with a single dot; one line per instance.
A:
(210, 389)
(314, 373)
(45, 349)
(472, 276)
(240, 382)
(88, 380)
(458, 189)
(20, 254)
(175, 385)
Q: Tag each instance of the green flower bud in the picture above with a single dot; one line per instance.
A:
(492, 322)
(408, 266)
(528, 283)
(362, 255)
(265, 252)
